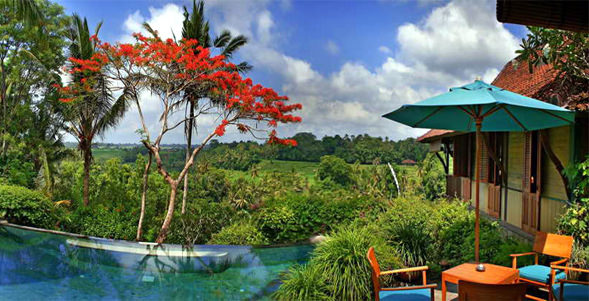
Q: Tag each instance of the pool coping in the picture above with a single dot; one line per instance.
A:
(75, 235)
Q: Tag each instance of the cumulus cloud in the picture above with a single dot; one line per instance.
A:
(385, 49)
(331, 47)
(167, 20)
(451, 45)
(460, 38)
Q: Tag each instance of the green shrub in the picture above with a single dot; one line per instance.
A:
(23, 206)
(412, 241)
(243, 232)
(336, 169)
(303, 282)
(511, 246)
(209, 184)
(295, 217)
(433, 178)
(575, 222)
(100, 221)
(341, 259)
(580, 256)
(200, 222)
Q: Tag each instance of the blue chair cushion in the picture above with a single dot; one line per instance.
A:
(539, 273)
(406, 295)
(572, 292)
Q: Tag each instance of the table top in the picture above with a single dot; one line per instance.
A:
(493, 274)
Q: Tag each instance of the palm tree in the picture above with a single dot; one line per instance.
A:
(27, 10)
(195, 26)
(96, 112)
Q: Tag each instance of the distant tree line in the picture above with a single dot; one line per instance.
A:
(243, 154)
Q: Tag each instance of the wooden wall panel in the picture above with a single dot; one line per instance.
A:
(552, 185)
(515, 160)
(551, 210)
(483, 196)
(514, 208)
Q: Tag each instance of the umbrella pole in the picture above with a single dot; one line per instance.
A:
(477, 192)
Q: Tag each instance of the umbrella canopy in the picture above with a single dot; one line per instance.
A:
(481, 107)
(501, 110)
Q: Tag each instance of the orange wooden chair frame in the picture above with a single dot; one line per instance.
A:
(547, 244)
(377, 273)
(472, 291)
(563, 281)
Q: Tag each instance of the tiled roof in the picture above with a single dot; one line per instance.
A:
(520, 80)
(432, 133)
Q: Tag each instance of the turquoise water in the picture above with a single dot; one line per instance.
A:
(36, 265)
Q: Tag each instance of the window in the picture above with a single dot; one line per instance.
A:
(493, 172)
(461, 157)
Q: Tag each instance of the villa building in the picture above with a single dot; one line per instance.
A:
(521, 172)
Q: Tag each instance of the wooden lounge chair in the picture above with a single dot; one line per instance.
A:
(472, 291)
(410, 293)
(570, 290)
(542, 276)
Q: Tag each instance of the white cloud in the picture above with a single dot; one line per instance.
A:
(460, 38)
(265, 24)
(385, 49)
(450, 46)
(167, 20)
(331, 47)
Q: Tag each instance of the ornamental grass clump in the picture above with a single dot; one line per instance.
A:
(341, 259)
(303, 282)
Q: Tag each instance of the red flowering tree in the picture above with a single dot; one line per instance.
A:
(167, 69)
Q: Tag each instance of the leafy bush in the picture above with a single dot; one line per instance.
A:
(101, 221)
(303, 282)
(243, 232)
(376, 181)
(23, 206)
(433, 179)
(580, 256)
(200, 222)
(575, 222)
(209, 184)
(336, 169)
(296, 217)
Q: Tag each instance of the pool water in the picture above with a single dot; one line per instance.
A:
(36, 265)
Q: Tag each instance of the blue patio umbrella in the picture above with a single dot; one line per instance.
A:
(480, 107)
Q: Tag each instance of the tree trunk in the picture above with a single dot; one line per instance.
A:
(188, 153)
(143, 199)
(168, 220)
(87, 150)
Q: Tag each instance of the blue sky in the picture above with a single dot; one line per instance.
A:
(348, 62)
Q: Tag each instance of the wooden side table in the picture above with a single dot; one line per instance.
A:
(493, 274)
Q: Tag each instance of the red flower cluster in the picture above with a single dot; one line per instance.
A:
(190, 65)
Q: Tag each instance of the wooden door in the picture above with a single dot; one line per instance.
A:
(466, 189)
(494, 200)
(531, 180)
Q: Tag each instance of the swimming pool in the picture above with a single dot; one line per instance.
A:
(37, 265)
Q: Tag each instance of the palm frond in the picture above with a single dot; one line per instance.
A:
(222, 39)
(115, 113)
(233, 45)
(244, 67)
(195, 26)
(149, 29)
(27, 10)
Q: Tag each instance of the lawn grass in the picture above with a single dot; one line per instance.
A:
(103, 154)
